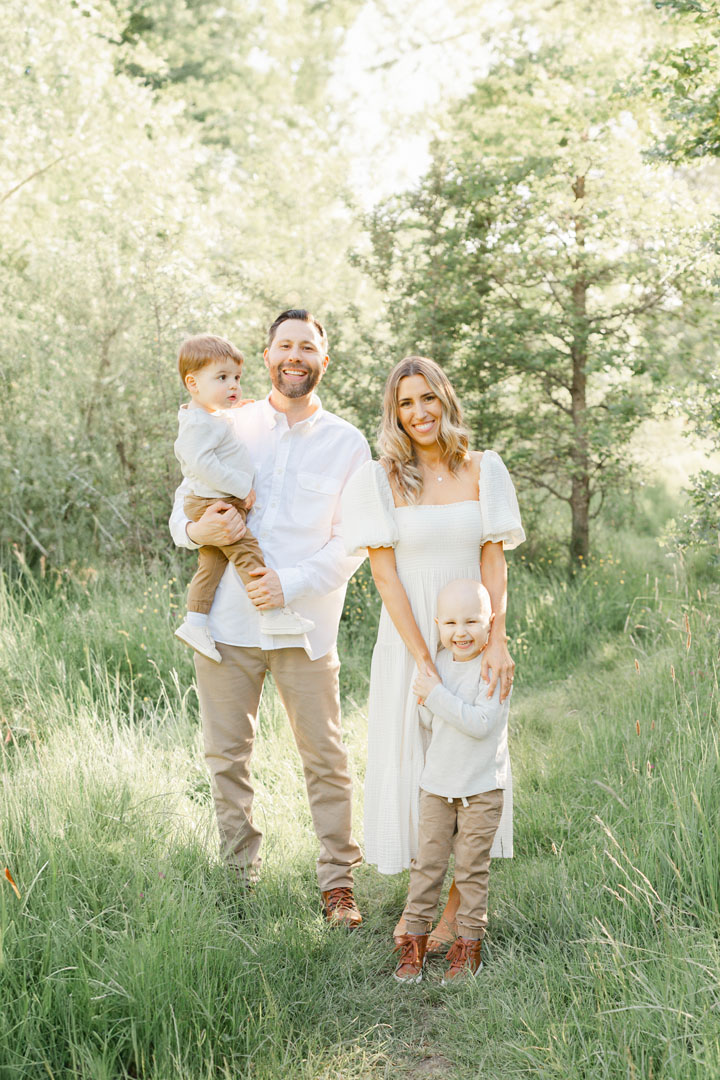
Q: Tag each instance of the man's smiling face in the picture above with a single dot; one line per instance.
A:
(296, 359)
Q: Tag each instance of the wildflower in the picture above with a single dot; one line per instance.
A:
(13, 886)
(637, 665)
(672, 673)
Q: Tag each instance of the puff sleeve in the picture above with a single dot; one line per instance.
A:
(498, 503)
(367, 510)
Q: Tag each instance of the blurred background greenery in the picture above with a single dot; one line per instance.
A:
(497, 185)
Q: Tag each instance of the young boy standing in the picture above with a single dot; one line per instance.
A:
(218, 466)
(461, 787)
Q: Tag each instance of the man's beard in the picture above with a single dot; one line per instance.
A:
(293, 388)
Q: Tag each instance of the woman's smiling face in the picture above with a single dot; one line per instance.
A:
(419, 410)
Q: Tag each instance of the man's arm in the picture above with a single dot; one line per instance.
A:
(219, 526)
(179, 519)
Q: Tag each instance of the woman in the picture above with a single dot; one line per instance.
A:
(429, 511)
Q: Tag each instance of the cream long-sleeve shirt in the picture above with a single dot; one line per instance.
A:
(300, 473)
(468, 751)
(212, 457)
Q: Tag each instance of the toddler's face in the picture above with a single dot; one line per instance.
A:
(464, 624)
(217, 385)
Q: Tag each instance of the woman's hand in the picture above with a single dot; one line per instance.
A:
(497, 663)
(425, 681)
(219, 526)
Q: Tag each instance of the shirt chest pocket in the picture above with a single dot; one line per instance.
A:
(315, 497)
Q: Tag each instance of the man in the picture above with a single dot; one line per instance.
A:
(303, 457)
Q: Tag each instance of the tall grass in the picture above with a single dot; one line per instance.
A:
(131, 953)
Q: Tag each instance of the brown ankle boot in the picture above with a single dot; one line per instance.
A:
(412, 957)
(464, 957)
(340, 909)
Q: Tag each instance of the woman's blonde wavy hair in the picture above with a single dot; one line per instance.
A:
(397, 450)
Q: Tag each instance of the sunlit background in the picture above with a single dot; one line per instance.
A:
(407, 170)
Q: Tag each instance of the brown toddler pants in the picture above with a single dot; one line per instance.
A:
(245, 555)
(473, 827)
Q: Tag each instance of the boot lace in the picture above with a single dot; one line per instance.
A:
(462, 954)
(340, 899)
(409, 951)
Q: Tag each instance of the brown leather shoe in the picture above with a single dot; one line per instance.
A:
(464, 957)
(412, 958)
(340, 909)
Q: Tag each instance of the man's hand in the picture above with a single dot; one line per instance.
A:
(425, 681)
(219, 526)
(266, 591)
(501, 665)
(249, 502)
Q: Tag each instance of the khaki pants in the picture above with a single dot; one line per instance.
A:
(245, 555)
(229, 699)
(474, 827)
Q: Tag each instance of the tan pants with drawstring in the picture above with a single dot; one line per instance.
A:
(473, 828)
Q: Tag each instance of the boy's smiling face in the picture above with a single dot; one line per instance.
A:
(464, 619)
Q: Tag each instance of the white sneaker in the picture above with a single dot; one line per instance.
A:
(198, 638)
(284, 621)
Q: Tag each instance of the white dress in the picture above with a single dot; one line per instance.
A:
(433, 545)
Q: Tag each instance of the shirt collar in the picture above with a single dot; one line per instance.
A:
(274, 416)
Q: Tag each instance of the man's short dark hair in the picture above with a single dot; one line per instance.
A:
(303, 316)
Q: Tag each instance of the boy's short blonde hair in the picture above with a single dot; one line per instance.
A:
(197, 352)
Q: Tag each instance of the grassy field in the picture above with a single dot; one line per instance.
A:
(130, 953)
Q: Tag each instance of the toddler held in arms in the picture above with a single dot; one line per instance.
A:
(218, 467)
(461, 787)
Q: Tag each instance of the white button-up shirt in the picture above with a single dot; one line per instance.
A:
(300, 472)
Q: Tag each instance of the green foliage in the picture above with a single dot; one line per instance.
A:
(152, 185)
(683, 74)
(545, 271)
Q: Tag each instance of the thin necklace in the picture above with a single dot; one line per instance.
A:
(435, 475)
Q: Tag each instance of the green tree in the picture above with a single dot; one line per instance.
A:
(543, 262)
(166, 170)
(683, 76)
(102, 246)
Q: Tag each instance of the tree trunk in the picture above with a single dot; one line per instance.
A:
(580, 485)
